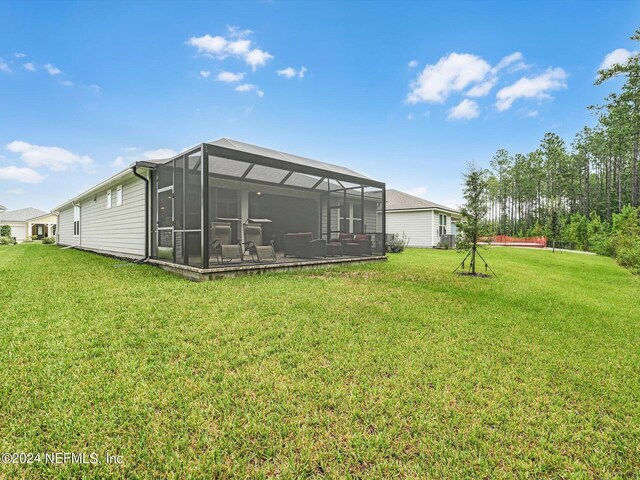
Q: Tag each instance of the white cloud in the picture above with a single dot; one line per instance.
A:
(205, 73)
(417, 191)
(236, 32)
(465, 110)
(412, 64)
(30, 66)
(19, 55)
(159, 153)
(54, 158)
(119, 162)
(96, 88)
(237, 46)
(532, 87)
(67, 83)
(291, 72)
(23, 175)
(52, 70)
(618, 56)
(510, 60)
(531, 113)
(229, 77)
(247, 87)
(482, 89)
(513, 62)
(16, 191)
(208, 44)
(4, 66)
(288, 72)
(257, 58)
(452, 73)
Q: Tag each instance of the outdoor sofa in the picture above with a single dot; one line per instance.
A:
(303, 245)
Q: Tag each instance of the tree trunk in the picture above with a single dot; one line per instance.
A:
(634, 181)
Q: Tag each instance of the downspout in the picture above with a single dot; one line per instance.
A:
(146, 213)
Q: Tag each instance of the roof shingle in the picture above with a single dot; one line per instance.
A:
(397, 200)
(21, 215)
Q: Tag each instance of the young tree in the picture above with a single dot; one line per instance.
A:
(554, 228)
(5, 231)
(473, 211)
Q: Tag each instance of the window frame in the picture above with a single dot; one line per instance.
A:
(119, 195)
(442, 224)
(109, 199)
(76, 220)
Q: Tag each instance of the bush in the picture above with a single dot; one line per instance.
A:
(626, 238)
(6, 240)
(602, 244)
(48, 241)
(397, 243)
(5, 230)
(628, 255)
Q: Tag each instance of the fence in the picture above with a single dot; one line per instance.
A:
(506, 241)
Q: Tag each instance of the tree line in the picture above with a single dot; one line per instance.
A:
(579, 193)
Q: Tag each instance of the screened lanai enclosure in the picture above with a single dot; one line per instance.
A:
(229, 203)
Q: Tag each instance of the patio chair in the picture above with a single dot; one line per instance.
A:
(253, 244)
(221, 246)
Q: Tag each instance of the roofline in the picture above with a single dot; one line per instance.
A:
(242, 156)
(450, 210)
(100, 185)
(39, 216)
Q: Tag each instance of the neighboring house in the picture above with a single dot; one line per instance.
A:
(423, 222)
(166, 210)
(29, 222)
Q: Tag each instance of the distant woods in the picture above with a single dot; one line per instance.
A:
(579, 192)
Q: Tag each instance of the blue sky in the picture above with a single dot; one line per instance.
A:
(404, 92)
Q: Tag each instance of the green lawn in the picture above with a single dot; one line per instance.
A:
(382, 370)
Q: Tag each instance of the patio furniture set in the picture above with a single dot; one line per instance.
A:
(301, 245)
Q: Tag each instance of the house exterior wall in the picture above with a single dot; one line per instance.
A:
(65, 227)
(436, 224)
(116, 230)
(421, 227)
(18, 229)
(416, 225)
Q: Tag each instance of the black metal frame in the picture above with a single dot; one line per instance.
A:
(205, 150)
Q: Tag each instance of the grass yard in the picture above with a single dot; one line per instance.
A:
(398, 369)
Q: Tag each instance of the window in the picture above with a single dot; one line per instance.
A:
(108, 198)
(119, 195)
(76, 220)
(442, 229)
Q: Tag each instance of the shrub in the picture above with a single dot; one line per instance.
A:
(397, 243)
(602, 244)
(626, 238)
(48, 241)
(5, 230)
(577, 231)
(6, 240)
(628, 255)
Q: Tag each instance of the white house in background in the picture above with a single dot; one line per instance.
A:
(422, 222)
(26, 222)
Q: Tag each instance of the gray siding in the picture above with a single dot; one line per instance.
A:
(115, 230)
(416, 225)
(119, 229)
(65, 227)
